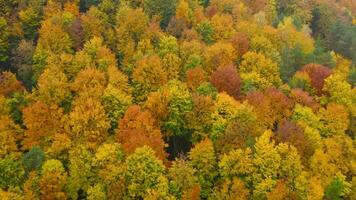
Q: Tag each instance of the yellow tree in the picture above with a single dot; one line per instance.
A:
(43, 124)
(202, 158)
(52, 86)
(258, 72)
(53, 180)
(108, 166)
(219, 54)
(88, 123)
(148, 76)
(223, 27)
(267, 162)
(334, 120)
(10, 135)
(131, 24)
(53, 39)
(182, 178)
(172, 65)
(90, 82)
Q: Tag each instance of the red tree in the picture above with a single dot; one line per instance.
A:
(226, 79)
(317, 73)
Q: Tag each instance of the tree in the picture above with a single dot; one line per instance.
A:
(206, 31)
(222, 26)
(88, 123)
(291, 36)
(115, 103)
(232, 189)
(202, 158)
(291, 133)
(258, 70)
(226, 79)
(237, 163)
(108, 166)
(271, 11)
(136, 129)
(52, 86)
(301, 97)
(298, 10)
(167, 44)
(94, 23)
(9, 84)
(44, 123)
(157, 104)
(22, 61)
(81, 171)
(267, 162)
(225, 111)
(33, 159)
(262, 45)
(4, 42)
(172, 65)
(279, 192)
(317, 74)
(195, 77)
(90, 82)
(182, 179)
(219, 54)
(10, 135)
(30, 19)
(241, 131)
(241, 43)
(339, 90)
(11, 171)
(180, 104)
(334, 120)
(145, 174)
(100, 54)
(76, 32)
(53, 39)
(96, 192)
(148, 76)
(53, 180)
(160, 8)
(131, 24)
(200, 117)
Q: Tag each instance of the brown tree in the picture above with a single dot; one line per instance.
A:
(226, 79)
(9, 84)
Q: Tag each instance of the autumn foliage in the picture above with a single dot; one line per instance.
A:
(177, 99)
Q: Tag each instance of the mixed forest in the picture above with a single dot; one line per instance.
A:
(177, 99)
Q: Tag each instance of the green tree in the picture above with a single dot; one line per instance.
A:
(161, 8)
(11, 171)
(202, 158)
(178, 108)
(33, 159)
(4, 40)
(145, 174)
(260, 70)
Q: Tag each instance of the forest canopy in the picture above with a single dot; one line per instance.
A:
(177, 99)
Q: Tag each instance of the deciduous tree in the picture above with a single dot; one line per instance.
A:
(136, 129)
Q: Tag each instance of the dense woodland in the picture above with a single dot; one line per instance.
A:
(177, 99)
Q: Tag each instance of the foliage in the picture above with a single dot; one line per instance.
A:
(145, 173)
(180, 99)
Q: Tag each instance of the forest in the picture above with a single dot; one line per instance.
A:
(177, 99)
